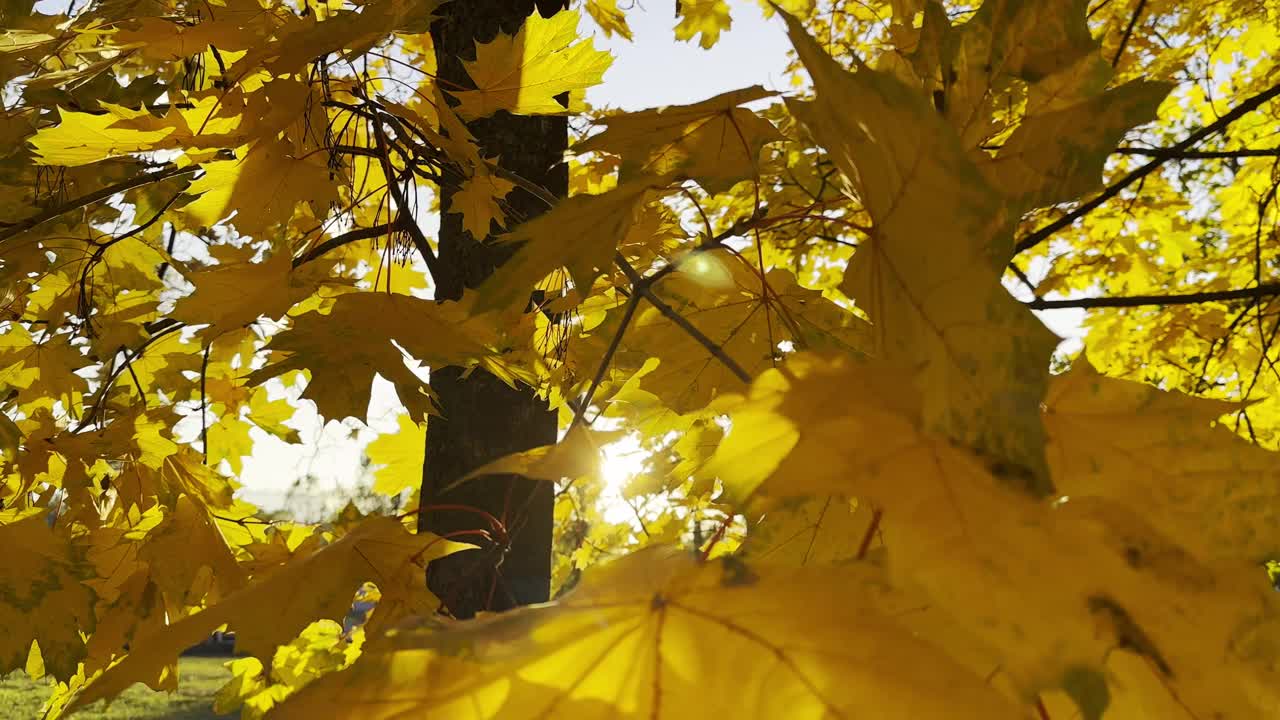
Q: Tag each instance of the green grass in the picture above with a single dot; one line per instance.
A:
(21, 697)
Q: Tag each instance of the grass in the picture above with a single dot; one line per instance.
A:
(21, 697)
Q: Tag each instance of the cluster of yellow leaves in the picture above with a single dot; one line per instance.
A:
(523, 73)
(321, 648)
(909, 516)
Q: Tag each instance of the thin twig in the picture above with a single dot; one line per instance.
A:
(1022, 277)
(204, 420)
(347, 238)
(99, 401)
(1261, 291)
(627, 314)
(874, 526)
(402, 207)
(1172, 154)
(1128, 31)
(642, 288)
(139, 180)
(100, 251)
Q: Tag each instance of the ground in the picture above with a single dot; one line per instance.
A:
(20, 697)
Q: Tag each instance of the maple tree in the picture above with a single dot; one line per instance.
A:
(874, 484)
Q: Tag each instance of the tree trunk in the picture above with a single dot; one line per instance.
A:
(482, 418)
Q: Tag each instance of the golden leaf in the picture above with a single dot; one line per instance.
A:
(581, 233)
(397, 457)
(1215, 492)
(233, 295)
(707, 18)
(271, 611)
(929, 276)
(478, 201)
(524, 73)
(261, 188)
(659, 634)
(42, 597)
(344, 347)
(714, 142)
(833, 426)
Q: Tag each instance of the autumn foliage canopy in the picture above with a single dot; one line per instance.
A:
(875, 484)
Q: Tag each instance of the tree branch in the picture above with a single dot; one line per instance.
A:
(1171, 154)
(1128, 31)
(1261, 291)
(627, 314)
(139, 180)
(402, 207)
(347, 238)
(163, 328)
(642, 288)
(1244, 108)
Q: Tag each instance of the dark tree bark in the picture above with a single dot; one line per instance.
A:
(482, 418)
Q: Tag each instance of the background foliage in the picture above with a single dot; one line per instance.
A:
(864, 492)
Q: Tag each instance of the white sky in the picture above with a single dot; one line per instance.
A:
(652, 70)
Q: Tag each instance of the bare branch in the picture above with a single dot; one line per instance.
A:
(1171, 154)
(1115, 188)
(21, 226)
(642, 287)
(415, 232)
(347, 238)
(1128, 31)
(1253, 293)
(627, 314)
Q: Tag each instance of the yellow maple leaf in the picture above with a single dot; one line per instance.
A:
(300, 39)
(478, 200)
(581, 233)
(321, 648)
(1058, 156)
(714, 142)
(41, 368)
(823, 426)
(345, 346)
(162, 39)
(81, 138)
(929, 276)
(233, 295)
(609, 17)
(42, 597)
(576, 455)
(397, 457)
(726, 300)
(270, 415)
(189, 560)
(524, 73)
(707, 18)
(262, 187)
(1164, 452)
(657, 634)
(811, 531)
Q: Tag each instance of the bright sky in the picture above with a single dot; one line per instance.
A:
(652, 70)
